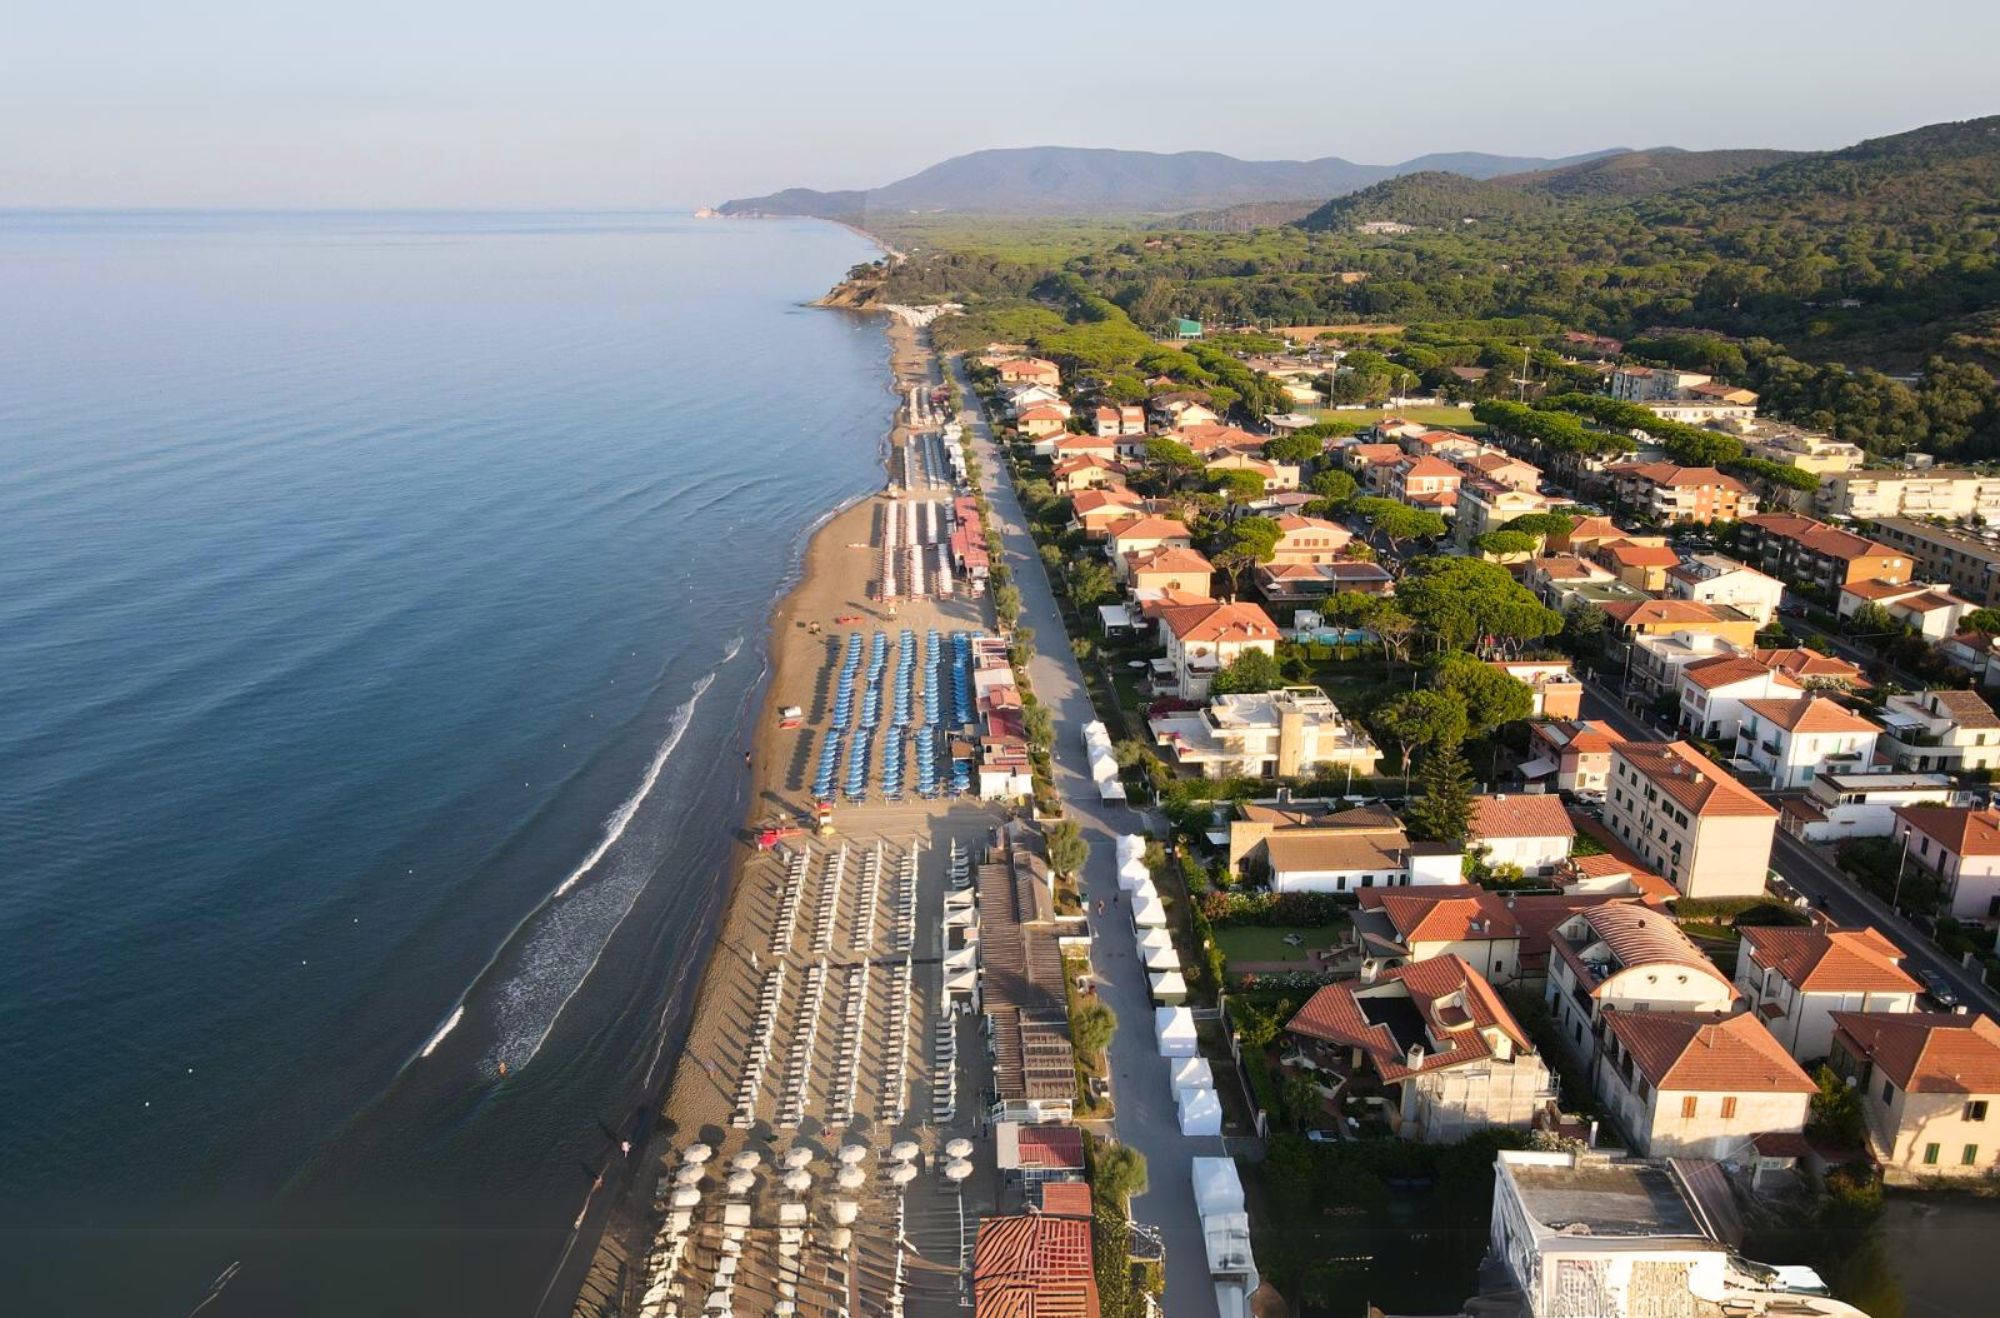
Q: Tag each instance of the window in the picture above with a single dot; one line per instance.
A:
(1930, 1155)
(1729, 1107)
(1976, 1110)
(1691, 1104)
(1970, 1157)
(1888, 1092)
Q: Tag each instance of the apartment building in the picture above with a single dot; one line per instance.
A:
(1949, 731)
(1575, 752)
(1931, 611)
(1669, 493)
(1652, 384)
(1640, 561)
(1689, 819)
(1282, 734)
(1951, 493)
(1486, 505)
(1930, 1087)
(1716, 580)
(1202, 639)
(1795, 979)
(1713, 692)
(1425, 482)
(1532, 833)
(1699, 1084)
(1808, 450)
(1799, 549)
(1503, 469)
(1624, 957)
(1839, 806)
(1396, 926)
(1968, 564)
(1307, 540)
(1557, 692)
(1960, 845)
(1792, 741)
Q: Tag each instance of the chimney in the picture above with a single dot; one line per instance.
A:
(1414, 1059)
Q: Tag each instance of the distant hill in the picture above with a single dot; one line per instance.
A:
(1640, 173)
(1431, 200)
(1055, 180)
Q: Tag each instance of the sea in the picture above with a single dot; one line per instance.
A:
(384, 602)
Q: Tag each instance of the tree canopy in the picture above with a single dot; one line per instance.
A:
(1248, 673)
(1466, 603)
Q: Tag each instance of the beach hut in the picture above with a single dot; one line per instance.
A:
(1132, 873)
(1189, 1073)
(1217, 1187)
(1174, 1028)
(1156, 950)
(1200, 1111)
(1147, 913)
(1169, 988)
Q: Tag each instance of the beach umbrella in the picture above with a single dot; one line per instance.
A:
(697, 1153)
(957, 1169)
(796, 1158)
(741, 1182)
(840, 1239)
(686, 1197)
(798, 1180)
(904, 1150)
(845, 1211)
(851, 1178)
(747, 1161)
(688, 1174)
(853, 1153)
(903, 1174)
(958, 1148)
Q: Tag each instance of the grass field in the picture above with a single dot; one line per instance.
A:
(1246, 942)
(1454, 418)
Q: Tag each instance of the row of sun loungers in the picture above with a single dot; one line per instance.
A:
(769, 996)
(805, 1033)
(895, 1054)
(847, 1056)
(906, 903)
(944, 1070)
(788, 903)
(824, 917)
(862, 936)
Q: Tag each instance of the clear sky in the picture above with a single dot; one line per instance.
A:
(620, 103)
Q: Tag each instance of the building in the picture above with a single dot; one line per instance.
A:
(1794, 979)
(1396, 926)
(1557, 693)
(1670, 493)
(1713, 690)
(1503, 469)
(1203, 639)
(1308, 540)
(1302, 583)
(1650, 617)
(1425, 482)
(1960, 846)
(1182, 408)
(1275, 475)
(1652, 384)
(1717, 581)
(1953, 494)
(1110, 420)
(1486, 505)
(1625, 957)
(1029, 1154)
(1930, 1087)
(1042, 421)
(1657, 664)
(1021, 987)
(1034, 1265)
(1096, 511)
(1533, 833)
(1144, 532)
(1813, 670)
(1450, 1057)
(1969, 564)
(1931, 611)
(1686, 817)
(1083, 446)
(1282, 734)
(1789, 446)
(1576, 752)
(1169, 569)
(1070, 476)
(1839, 806)
(1792, 740)
(1028, 370)
(1253, 822)
(1801, 550)
(1357, 849)
(1641, 563)
(1950, 731)
(1699, 1084)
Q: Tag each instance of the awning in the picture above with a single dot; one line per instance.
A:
(1538, 768)
(1114, 616)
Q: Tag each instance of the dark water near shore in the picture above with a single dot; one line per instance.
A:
(364, 580)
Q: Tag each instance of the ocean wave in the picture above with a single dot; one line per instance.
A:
(450, 1024)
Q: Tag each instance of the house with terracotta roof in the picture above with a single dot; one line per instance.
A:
(1034, 1265)
(1793, 740)
(1065, 1198)
(1933, 612)
(1096, 510)
(1687, 817)
(1074, 475)
(1713, 690)
(1372, 464)
(1713, 579)
(1301, 583)
(1042, 421)
(1813, 670)
(1659, 660)
(1533, 833)
(1186, 572)
(1448, 445)
(1950, 731)
(1425, 482)
(1585, 535)
(1111, 420)
(1795, 978)
(1930, 1087)
(1484, 505)
(1028, 370)
(1794, 548)
(1503, 469)
(1556, 691)
(1307, 540)
(1142, 533)
(1629, 620)
(1353, 850)
(1699, 1084)
(1182, 409)
(1435, 1036)
(1960, 846)
(1253, 822)
(1396, 926)
(1575, 752)
(1028, 1153)
(1275, 475)
(1641, 563)
(1202, 639)
(1209, 440)
(1669, 493)
(1083, 446)
(1625, 957)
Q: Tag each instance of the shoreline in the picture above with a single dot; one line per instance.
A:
(691, 1097)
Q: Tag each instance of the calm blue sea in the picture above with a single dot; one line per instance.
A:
(382, 603)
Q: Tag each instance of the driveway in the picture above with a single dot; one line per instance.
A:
(1146, 1116)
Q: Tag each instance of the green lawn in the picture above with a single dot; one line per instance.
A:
(1267, 942)
(1450, 418)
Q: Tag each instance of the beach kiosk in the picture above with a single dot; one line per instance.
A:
(1174, 1028)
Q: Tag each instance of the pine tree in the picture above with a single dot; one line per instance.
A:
(1442, 810)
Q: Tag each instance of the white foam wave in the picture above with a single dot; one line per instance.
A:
(450, 1024)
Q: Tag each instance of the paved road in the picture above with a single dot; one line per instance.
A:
(1146, 1115)
(1810, 871)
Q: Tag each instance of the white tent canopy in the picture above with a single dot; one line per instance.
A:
(1190, 1072)
(1169, 987)
(1154, 942)
(1131, 846)
(1174, 1028)
(1147, 913)
(1132, 873)
(1200, 1111)
(1217, 1187)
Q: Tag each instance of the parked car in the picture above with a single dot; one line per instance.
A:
(1322, 1137)
(1938, 989)
(1783, 890)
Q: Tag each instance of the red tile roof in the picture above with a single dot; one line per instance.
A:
(1638, 935)
(1033, 1266)
(1447, 913)
(1707, 1052)
(1667, 474)
(1214, 622)
(1051, 1147)
(1961, 830)
(1627, 554)
(1828, 960)
(1694, 781)
(1519, 816)
(1066, 1199)
(1813, 714)
(1925, 1052)
(1456, 1004)
(1167, 558)
(1658, 613)
(1149, 528)
(1729, 669)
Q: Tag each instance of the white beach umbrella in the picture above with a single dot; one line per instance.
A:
(796, 1158)
(747, 1161)
(851, 1178)
(958, 1148)
(903, 1174)
(845, 1211)
(840, 1239)
(853, 1153)
(689, 1173)
(686, 1197)
(697, 1153)
(741, 1182)
(957, 1169)
(904, 1150)
(798, 1180)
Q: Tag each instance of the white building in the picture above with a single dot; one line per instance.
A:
(1283, 733)
(1625, 957)
(1715, 580)
(1951, 731)
(1689, 819)
(1961, 846)
(1531, 832)
(1203, 639)
(1838, 806)
(1792, 741)
(1699, 1084)
(1794, 979)
(1713, 691)
(1349, 859)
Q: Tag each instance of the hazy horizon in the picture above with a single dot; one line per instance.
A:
(609, 104)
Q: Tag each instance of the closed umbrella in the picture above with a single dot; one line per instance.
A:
(685, 1197)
